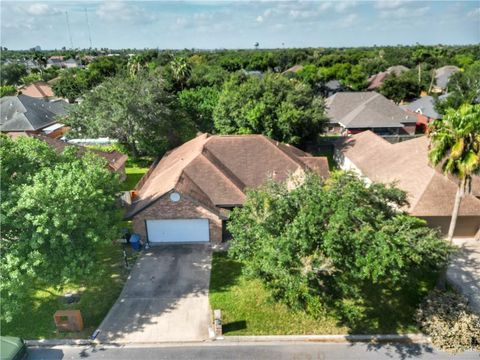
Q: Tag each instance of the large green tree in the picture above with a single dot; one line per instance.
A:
(329, 244)
(137, 111)
(56, 208)
(455, 144)
(11, 74)
(283, 109)
(199, 103)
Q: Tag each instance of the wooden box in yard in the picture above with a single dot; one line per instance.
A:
(68, 320)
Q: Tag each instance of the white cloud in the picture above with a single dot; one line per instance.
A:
(403, 13)
(389, 4)
(118, 11)
(38, 9)
(259, 19)
(341, 6)
(348, 20)
(475, 13)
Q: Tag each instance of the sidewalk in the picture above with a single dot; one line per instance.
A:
(464, 270)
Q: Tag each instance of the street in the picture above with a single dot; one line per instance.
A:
(264, 351)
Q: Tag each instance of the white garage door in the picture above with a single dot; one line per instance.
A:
(178, 230)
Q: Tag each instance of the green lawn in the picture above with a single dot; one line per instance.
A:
(98, 293)
(135, 169)
(247, 307)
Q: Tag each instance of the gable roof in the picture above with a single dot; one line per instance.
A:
(430, 193)
(365, 110)
(425, 105)
(442, 75)
(114, 158)
(217, 170)
(39, 89)
(25, 113)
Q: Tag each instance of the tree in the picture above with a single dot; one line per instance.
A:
(283, 109)
(328, 244)
(7, 90)
(56, 209)
(181, 71)
(199, 103)
(135, 110)
(70, 85)
(12, 73)
(404, 87)
(455, 144)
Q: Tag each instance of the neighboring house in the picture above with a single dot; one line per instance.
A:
(442, 76)
(116, 160)
(376, 81)
(353, 112)
(188, 194)
(331, 87)
(70, 63)
(424, 109)
(23, 113)
(55, 61)
(293, 70)
(431, 195)
(254, 73)
(39, 89)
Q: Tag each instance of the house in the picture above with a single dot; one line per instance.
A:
(353, 112)
(39, 89)
(431, 194)
(115, 160)
(55, 61)
(376, 81)
(331, 87)
(23, 113)
(424, 109)
(188, 195)
(442, 76)
(293, 70)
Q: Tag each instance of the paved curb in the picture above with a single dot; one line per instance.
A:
(381, 338)
(59, 342)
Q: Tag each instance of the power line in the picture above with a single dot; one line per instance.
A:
(88, 28)
(68, 28)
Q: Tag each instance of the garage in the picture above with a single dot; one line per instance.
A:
(178, 231)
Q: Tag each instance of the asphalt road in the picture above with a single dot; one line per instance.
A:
(301, 351)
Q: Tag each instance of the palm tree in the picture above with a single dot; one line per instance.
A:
(181, 71)
(455, 144)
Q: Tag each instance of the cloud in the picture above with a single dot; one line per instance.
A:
(259, 19)
(389, 4)
(403, 13)
(348, 20)
(475, 13)
(120, 11)
(341, 6)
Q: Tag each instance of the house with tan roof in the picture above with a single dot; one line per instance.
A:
(431, 194)
(39, 89)
(188, 194)
(354, 112)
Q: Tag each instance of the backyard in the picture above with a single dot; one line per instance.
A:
(97, 293)
(135, 169)
(248, 309)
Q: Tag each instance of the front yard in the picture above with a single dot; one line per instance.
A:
(247, 307)
(97, 293)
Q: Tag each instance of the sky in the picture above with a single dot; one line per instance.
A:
(236, 24)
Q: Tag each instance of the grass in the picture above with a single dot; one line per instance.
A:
(248, 309)
(135, 169)
(98, 293)
(329, 154)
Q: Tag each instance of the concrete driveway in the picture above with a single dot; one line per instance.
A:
(464, 270)
(164, 299)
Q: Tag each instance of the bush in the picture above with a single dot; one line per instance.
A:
(446, 318)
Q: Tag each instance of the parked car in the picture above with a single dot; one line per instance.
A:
(12, 348)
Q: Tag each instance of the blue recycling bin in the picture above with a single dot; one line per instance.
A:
(135, 242)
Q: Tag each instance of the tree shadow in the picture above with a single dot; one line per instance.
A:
(225, 273)
(234, 326)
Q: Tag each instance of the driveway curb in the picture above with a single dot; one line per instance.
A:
(380, 338)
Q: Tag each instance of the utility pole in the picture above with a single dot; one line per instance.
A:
(88, 28)
(68, 29)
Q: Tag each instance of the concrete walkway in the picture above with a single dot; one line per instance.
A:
(464, 270)
(164, 299)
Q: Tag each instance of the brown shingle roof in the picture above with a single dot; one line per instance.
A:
(216, 170)
(115, 159)
(39, 89)
(430, 193)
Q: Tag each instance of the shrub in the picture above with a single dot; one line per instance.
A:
(446, 318)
